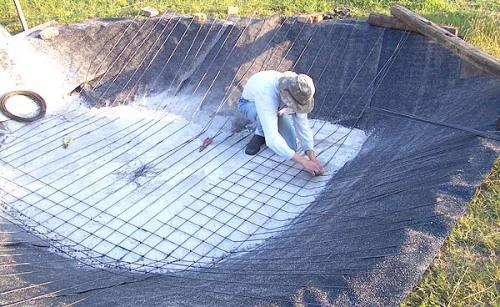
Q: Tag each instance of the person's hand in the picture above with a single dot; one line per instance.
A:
(313, 167)
(312, 156)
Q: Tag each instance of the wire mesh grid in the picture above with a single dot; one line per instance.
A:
(106, 209)
(167, 211)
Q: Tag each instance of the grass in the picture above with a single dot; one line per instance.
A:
(465, 272)
(478, 20)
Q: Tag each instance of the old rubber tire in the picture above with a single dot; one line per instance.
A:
(33, 96)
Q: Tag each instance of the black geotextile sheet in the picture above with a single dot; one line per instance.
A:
(371, 234)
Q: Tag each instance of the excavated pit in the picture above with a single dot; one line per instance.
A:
(109, 200)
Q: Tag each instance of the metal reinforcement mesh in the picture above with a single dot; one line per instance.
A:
(128, 185)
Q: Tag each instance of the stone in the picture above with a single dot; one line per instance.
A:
(317, 18)
(338, 13)
(304, 19)
(149, 12)
(233, 10)
(199, 17)
(311, 18)
(49, 33)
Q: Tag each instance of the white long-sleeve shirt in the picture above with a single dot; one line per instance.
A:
(263, 89)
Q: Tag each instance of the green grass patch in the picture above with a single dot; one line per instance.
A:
(478, 20)
(465, 273)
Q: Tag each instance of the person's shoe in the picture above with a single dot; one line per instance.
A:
(254, 145)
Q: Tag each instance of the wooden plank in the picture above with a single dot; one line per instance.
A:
(20, 14)
(459, 47)
(390, 22)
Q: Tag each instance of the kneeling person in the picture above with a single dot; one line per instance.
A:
(278, 103)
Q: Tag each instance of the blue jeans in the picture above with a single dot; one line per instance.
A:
(285, 122)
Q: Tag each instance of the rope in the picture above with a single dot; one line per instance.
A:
(42, 106)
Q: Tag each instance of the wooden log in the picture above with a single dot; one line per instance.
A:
(390, 22)
(459, 47)
(20, 14)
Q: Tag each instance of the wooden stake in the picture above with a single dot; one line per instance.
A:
(390, 22)
(20, 14)
(459, 47)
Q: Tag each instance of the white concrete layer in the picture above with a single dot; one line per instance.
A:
(133, 190)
